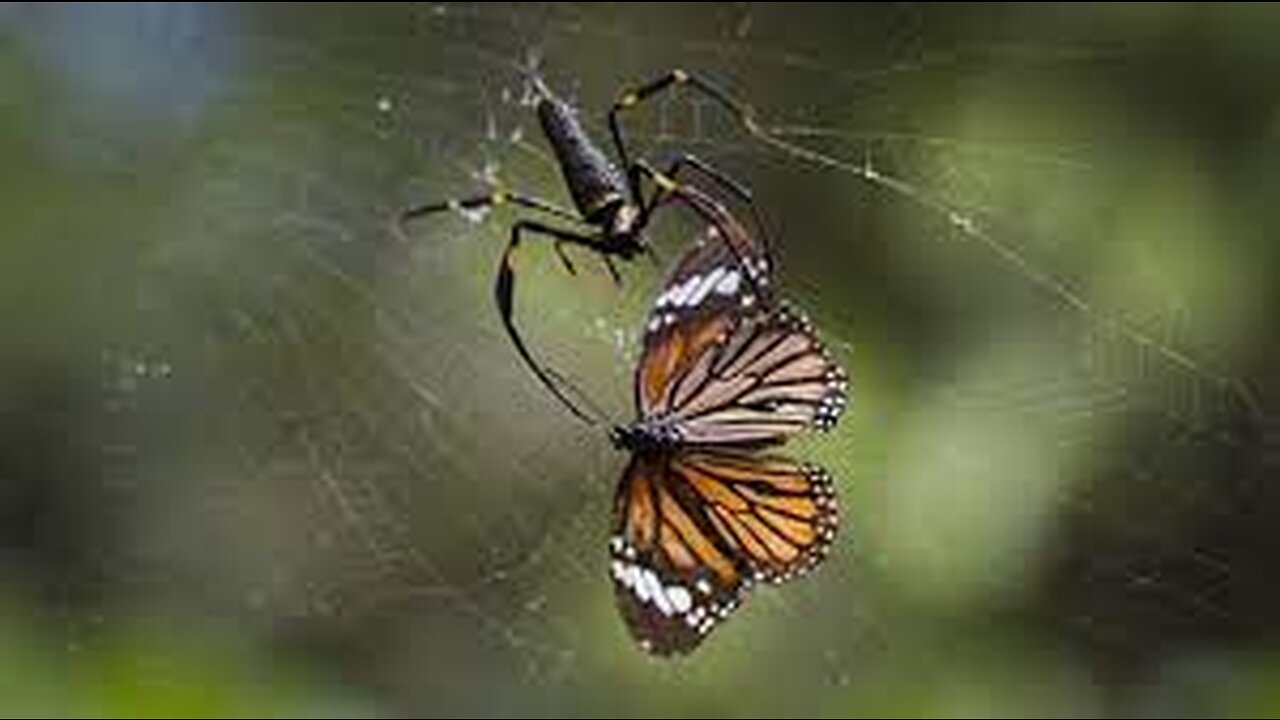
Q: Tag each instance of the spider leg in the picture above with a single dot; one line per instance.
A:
(613, 269)
(477, 202)
(558, 246)
(731, 186)
(742, 111)
(738, 242)
(653, 255)
(670, 79)
(504, 296)
(702, 167)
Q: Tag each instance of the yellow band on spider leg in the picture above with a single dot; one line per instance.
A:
(662, 181)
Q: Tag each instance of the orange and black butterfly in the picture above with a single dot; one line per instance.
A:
(703, 512)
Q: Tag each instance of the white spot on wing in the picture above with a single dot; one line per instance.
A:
(631, 578)
(664, 298)
(656, 592)
(728, 284)
(704, 288)
(680, 598)
(681, 293)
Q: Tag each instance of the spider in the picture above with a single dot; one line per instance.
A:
(612, 210)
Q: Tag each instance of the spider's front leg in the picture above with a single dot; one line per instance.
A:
(664, 83)
(729, 185)
(401, 221)
(504, 297)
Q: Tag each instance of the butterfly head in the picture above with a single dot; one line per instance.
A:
(646, 437)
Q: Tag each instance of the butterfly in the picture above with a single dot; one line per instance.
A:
(703, 511)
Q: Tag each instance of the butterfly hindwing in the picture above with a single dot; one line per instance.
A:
(777, 513)
(693, 531)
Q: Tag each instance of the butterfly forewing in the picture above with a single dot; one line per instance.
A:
(718, 278)
(693, 531)
(768, 377)
(723, 362)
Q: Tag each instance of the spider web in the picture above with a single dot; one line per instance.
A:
(1053, 476)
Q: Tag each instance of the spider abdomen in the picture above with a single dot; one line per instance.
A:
(594, 182)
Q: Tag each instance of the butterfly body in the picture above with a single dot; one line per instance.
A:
(653, 438)
(702, 513)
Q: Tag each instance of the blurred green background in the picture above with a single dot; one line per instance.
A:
(261, 456)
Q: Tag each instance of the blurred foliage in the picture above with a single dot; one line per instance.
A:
(262, 457)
